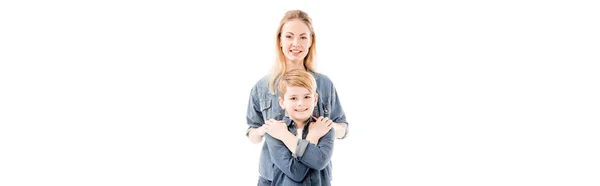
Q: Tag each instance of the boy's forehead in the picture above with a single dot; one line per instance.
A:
(297, 90)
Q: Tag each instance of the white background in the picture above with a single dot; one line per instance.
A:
(436, 93)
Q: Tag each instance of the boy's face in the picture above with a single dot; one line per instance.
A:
(298, 103)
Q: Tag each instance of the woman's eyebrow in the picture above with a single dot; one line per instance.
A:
(293, 33)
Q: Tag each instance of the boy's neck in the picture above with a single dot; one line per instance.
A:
(300, 123)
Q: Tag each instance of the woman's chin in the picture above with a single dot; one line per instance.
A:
(295, 58)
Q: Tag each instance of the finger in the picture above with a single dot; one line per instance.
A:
(330, 125)
(313, 117)
(325, 121)
(329, 121)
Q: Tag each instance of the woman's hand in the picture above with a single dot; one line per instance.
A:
(262, 130)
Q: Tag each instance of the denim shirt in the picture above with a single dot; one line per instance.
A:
(309, 165)
(262, 106)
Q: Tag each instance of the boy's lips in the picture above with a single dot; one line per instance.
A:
(301, 110)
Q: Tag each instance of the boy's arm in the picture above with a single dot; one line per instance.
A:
(284, 160)
(316, 156)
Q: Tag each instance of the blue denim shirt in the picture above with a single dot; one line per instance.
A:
(263, 106)
(310, 164)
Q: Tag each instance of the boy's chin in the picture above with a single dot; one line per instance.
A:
(300, 117)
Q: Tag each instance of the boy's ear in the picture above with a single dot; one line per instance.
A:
(281, 103)
(316, 98)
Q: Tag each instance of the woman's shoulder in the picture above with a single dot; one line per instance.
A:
(262, 84)
(322, 79)
(263, 81)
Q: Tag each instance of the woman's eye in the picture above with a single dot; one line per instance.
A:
(304, 37)
(292, 98)
(288, 37)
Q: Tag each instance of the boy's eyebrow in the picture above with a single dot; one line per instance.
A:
(292, 95)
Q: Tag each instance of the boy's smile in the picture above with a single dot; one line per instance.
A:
(299, 103)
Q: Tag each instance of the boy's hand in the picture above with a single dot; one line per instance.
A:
(320, 127)
(277, 129)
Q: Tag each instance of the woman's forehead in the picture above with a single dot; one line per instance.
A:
(295, 27)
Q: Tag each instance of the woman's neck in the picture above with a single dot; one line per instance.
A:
(295, 65)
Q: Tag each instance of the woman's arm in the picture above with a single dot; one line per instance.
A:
(254, 118)
(340, 130)
(337, 115)
(255, 135)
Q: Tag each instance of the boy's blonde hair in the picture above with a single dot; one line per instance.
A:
(297, 78)
(280, 67)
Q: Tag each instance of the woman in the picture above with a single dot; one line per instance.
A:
(296, 49)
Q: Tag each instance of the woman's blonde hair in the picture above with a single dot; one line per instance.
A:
(280, 66)
(296, 78)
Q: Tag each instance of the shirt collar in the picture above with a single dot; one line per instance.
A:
(288, 121)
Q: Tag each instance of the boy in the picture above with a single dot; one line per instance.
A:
(301, 145)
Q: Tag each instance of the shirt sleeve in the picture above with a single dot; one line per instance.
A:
(254, 114)
(284, 161)
(317, 156)
(336, 114)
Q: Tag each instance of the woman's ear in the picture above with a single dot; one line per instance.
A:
(316, 98)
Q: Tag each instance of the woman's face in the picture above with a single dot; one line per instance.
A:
(295, 40)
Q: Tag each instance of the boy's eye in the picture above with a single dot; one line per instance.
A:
(293, 98)
(304, 37)
(306, 97)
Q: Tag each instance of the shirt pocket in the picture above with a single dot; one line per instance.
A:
(266, 108)
(324, 107)
(265, 104)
